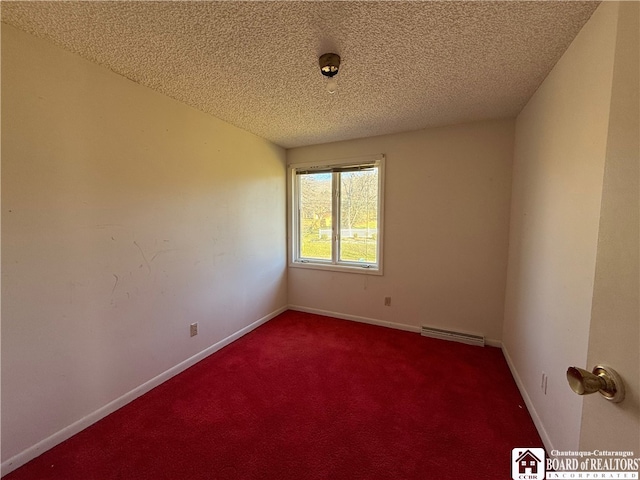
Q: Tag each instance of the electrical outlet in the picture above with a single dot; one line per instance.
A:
(194, 329)
(387, 301)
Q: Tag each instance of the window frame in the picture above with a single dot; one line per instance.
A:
(294, 218)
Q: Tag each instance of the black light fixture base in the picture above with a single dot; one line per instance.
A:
(329, 64)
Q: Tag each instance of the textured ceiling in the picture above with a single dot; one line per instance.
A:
(405, 65)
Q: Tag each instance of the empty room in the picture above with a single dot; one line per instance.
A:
(318, 239)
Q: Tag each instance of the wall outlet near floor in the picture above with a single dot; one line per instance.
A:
(387, 301)
(543, 383)
(194, 329)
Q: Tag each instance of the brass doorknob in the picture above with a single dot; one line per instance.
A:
(602, 379)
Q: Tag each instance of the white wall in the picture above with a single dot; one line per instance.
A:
(125, 217)
(560, 145)
(614, 333)
(446, 230)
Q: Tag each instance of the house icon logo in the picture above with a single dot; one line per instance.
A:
(527, 464)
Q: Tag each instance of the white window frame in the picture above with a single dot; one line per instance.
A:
(293, 221)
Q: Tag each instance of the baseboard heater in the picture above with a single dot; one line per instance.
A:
(467, 338)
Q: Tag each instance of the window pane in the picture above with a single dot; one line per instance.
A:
(315, 216)
(359, 216)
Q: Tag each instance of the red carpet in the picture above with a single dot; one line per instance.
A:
(310, 397)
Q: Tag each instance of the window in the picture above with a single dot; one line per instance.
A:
(336, 219)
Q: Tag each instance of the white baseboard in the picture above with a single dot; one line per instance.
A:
(32, 452)
(355, 318)
(373, 321)
(527, 400)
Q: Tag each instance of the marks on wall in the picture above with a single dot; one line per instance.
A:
(143, 256)
(134, 268)
(115, 284)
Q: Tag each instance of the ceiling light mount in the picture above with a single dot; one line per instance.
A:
(329, 66)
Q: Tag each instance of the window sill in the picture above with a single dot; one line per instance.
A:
(337, 268)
